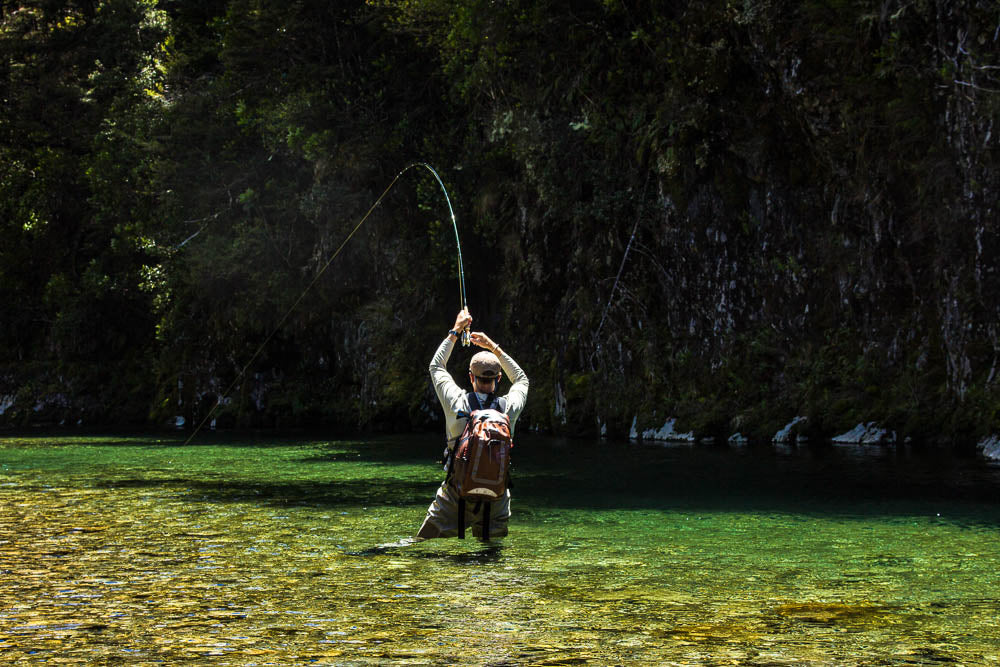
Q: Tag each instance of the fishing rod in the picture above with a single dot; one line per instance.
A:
(466, 336)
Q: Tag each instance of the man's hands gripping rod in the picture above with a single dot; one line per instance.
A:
(462, 329)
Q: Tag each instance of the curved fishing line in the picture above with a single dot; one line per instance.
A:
(284, 318)
(454, 224)
(617, 278)
(621, 266)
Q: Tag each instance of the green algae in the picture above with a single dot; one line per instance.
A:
(265, 552)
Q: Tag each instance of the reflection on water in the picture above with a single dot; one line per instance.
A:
(252, 551)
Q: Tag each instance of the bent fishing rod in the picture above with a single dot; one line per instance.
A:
(466, 336)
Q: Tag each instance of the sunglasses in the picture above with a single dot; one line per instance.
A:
(484, 379)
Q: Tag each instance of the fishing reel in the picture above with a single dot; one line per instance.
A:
(466, 338)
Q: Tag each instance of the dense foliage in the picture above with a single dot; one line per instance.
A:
(735, 213)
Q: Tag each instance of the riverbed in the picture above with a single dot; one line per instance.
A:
(252, 549)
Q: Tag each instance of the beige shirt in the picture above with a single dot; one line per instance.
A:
(454, 399)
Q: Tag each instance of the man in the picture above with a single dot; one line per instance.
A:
(484, 375)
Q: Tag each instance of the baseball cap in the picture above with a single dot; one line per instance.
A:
(485, 365)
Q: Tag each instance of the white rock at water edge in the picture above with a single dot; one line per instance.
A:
(784, 435)
(667, 432)
(990, 447)
(866, 434)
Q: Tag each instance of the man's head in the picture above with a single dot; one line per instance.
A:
(484, 372)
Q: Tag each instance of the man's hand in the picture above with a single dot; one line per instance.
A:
(483, 341)
(462, 321)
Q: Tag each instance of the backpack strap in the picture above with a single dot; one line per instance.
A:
(487, 508)
(476, 404)
(492, 401)
(486, 520)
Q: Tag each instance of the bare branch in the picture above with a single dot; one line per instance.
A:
(977, 87)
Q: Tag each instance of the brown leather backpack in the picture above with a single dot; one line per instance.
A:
(480, 460)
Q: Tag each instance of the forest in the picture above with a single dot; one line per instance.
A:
(734, 213)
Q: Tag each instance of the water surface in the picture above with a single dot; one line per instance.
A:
(258, 550)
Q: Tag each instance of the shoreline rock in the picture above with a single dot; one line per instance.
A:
(784, 436)
(866, 434)
(989, 447)
(667, 433)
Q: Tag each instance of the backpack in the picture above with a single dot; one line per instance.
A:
(480, 461)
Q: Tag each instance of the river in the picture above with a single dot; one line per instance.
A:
(260, 550)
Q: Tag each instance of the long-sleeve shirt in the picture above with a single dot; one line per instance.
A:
(454, 399)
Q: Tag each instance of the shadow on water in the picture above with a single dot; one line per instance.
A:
(486, 553)
(341, 493)
(378, 450)
(820, 479)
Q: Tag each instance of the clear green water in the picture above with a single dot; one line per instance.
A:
(251, 551)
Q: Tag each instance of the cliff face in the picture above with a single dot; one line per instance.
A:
(735, 214)
(802, 195)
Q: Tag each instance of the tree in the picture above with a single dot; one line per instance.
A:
(77, 79)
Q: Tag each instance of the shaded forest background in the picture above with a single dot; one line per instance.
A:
(734, 213)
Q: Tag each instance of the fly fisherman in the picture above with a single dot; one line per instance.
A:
(484, 375)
